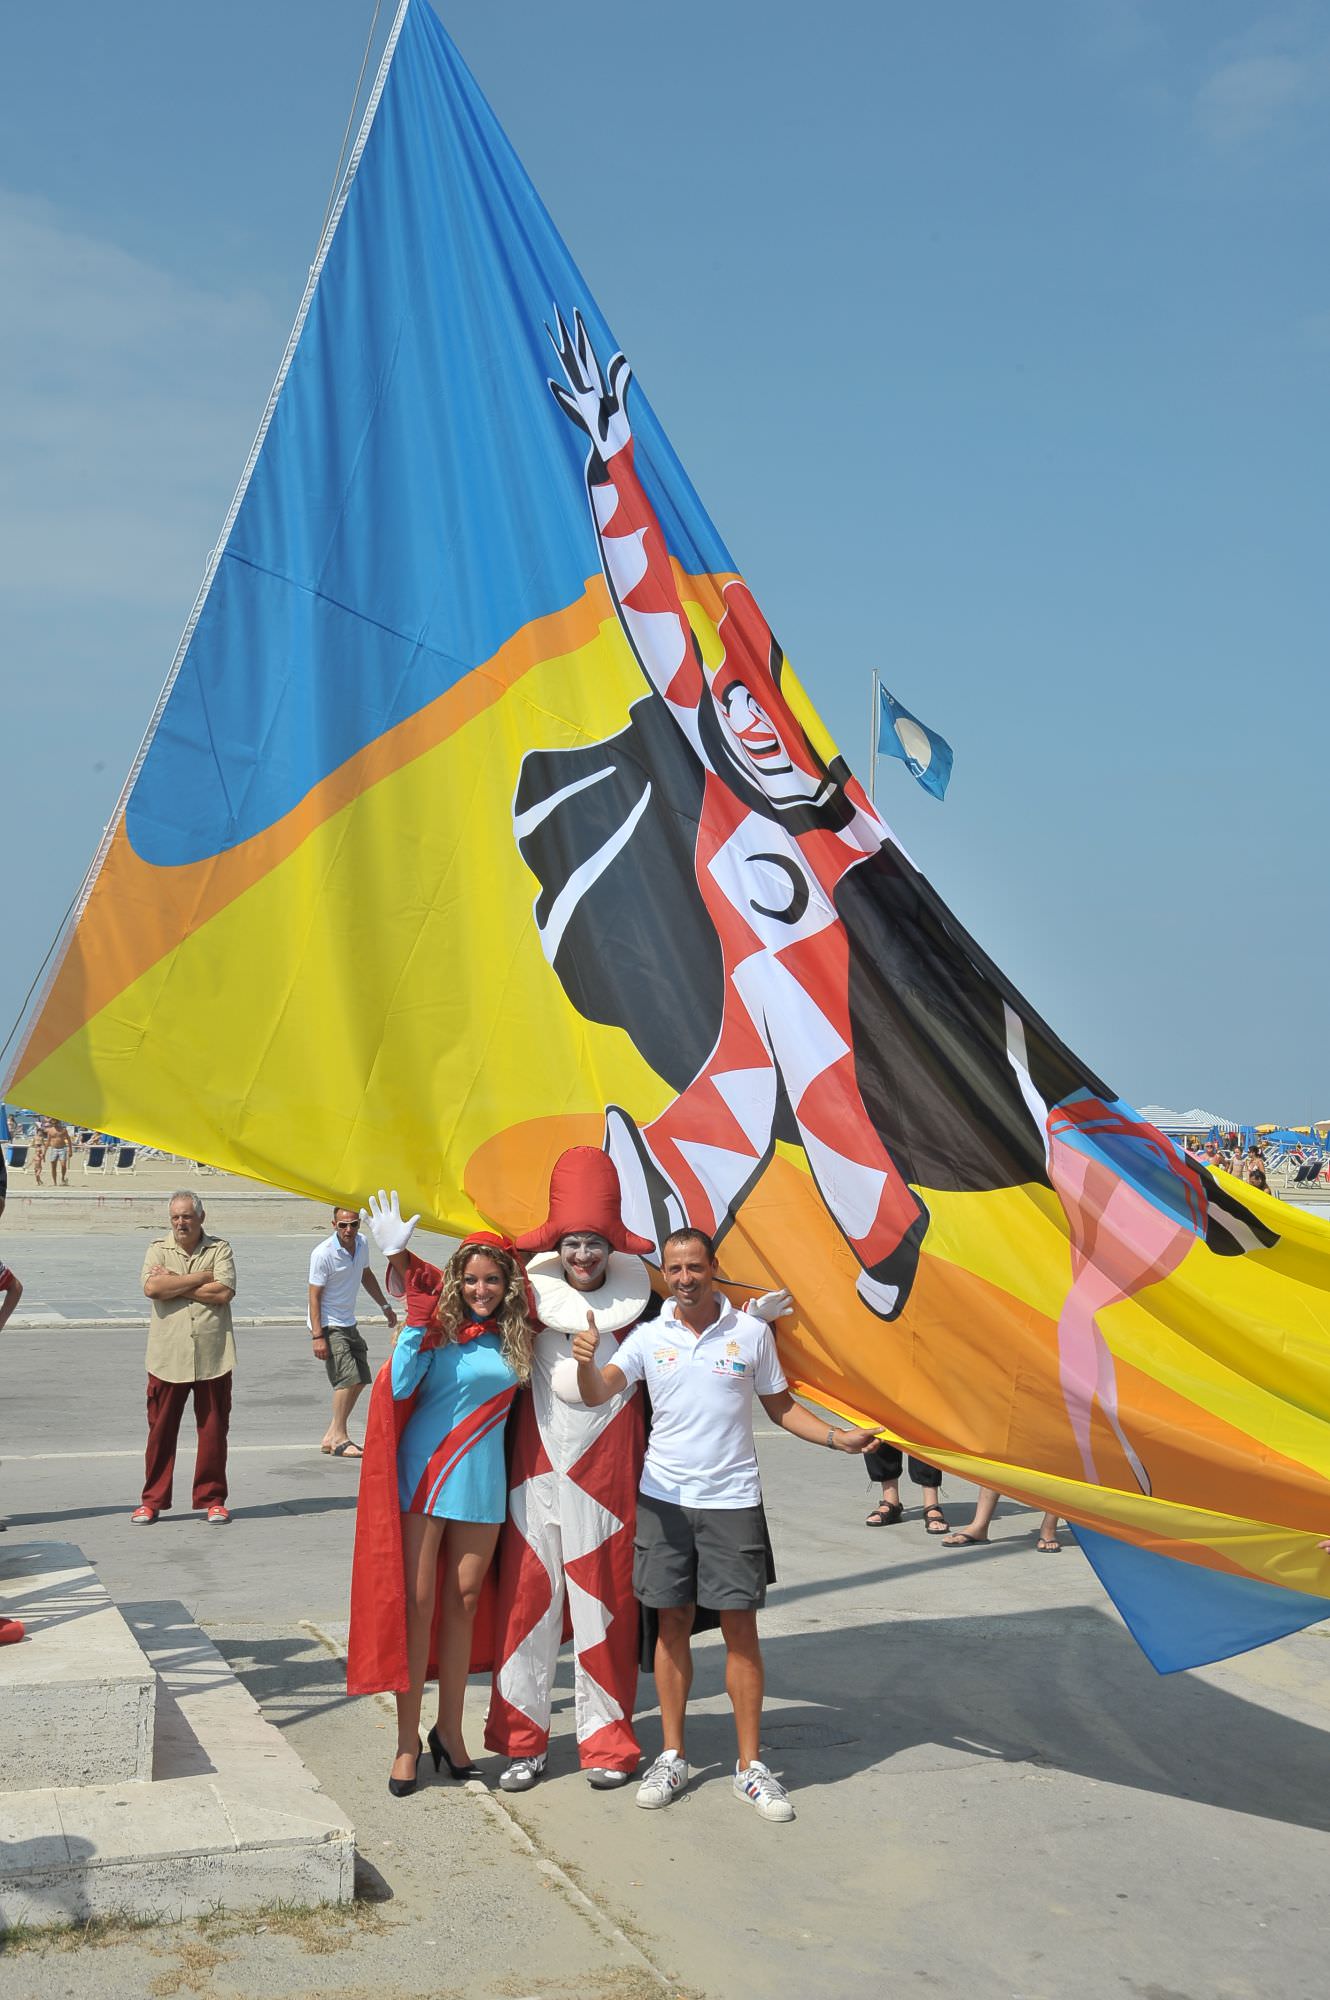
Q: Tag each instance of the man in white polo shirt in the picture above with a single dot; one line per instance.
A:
(701, 1534)
(338, 1268)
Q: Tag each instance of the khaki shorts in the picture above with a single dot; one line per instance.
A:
(348, 1357)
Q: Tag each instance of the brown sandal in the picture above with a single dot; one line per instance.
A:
(885, 1515)
(936, 1522)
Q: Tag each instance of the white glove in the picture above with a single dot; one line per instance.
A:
(771, 1305)
(384, 1221)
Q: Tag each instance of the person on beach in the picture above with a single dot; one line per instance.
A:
(338, 1272)
(190, 1279)
(701, 1531)
(433, 1490)
(59, 1145)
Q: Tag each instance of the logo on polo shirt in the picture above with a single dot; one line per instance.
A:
(733, 1362)
(666, 1357)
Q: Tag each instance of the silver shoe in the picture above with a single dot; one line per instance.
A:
(521, 1774)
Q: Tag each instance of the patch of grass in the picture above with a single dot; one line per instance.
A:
(319, 1927)
(193, 1972)
(625, 1983)
(92, 1932)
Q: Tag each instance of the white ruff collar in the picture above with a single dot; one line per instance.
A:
(619, 1300)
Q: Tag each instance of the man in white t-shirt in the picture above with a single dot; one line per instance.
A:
(701, 1534)
(338, 1268)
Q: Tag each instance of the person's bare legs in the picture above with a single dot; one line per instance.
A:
(1048, 1541)
(421, 1539)
(935, 1521)
(468, 1550)
(674, 1670)
(744, 1681)
(977, 1531)
(344, 1401)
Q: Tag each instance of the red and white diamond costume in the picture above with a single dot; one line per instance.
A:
(572, 1503)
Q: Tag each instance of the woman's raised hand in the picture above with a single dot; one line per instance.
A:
(383, 1219)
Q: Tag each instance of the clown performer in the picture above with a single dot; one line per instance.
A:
(573, 1474)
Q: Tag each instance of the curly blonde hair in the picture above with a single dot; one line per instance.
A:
(516, 1332)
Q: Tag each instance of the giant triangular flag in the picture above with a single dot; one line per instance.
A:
(482, 816)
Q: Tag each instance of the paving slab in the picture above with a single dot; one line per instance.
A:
(230, 1815)
(77, 1695)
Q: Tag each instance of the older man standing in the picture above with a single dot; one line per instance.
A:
(191, 1280)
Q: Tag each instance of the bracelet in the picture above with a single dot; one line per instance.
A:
(832, 1435)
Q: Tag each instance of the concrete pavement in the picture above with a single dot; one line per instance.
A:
(997, 1796)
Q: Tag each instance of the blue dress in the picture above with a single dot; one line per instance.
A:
(450, 1455)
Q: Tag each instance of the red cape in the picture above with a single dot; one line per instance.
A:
(376, 1646)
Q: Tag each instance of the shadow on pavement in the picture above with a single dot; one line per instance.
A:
(1009, 1689)
(271, 1510)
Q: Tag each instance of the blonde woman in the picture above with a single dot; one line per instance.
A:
(440, 1403)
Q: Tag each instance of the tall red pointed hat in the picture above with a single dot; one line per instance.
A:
(584, 1195)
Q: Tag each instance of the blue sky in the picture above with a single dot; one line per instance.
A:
(995, 338)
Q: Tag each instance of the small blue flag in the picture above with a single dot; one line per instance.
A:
(902, 735)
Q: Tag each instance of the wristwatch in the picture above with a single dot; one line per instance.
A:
(831, 1437)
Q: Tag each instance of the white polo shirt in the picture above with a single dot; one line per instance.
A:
(701, 1451)
(338, 1271)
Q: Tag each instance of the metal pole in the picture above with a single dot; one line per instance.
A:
(872, 740)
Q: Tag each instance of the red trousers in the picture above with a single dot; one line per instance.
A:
(212, 1415)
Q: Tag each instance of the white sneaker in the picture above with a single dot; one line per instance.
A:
(757, 1785)
(521, 1774)
(664, 1781)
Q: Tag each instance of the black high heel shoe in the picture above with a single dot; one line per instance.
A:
(440, 1756)
(402, 1788)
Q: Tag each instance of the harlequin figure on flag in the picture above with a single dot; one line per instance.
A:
(776, 833)
(572, 1503)
(748, 1003)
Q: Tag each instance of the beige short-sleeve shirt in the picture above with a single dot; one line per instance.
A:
(189, 1341)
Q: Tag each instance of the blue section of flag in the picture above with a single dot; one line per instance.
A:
(1137, 1153)
(1181, 1615)
(926, 754)
(336, 612)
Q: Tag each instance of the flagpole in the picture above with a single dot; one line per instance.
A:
(872, 740)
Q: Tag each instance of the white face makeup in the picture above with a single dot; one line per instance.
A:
(757, 747)
(585, 1258)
